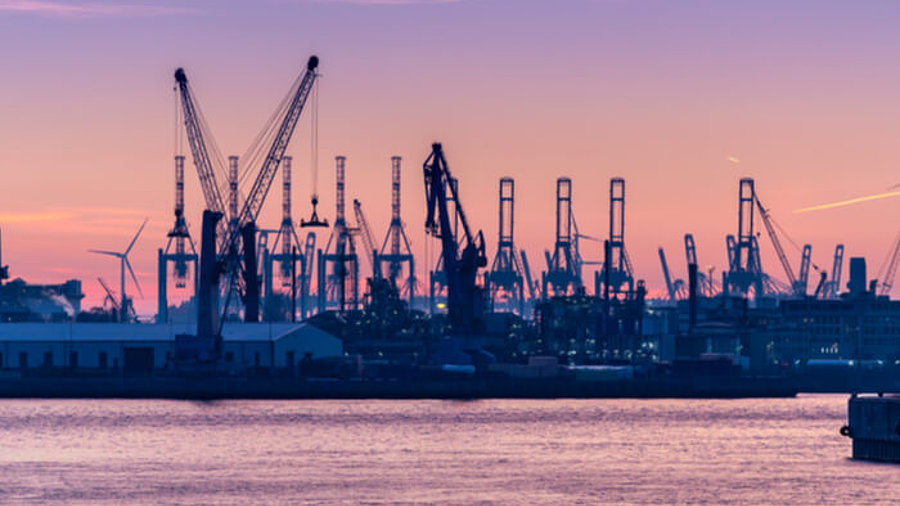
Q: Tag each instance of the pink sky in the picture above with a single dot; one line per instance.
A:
(801, 94)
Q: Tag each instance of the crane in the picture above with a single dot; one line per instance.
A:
(464, 298)
(665, 268)
(834, 286)
(291, 115)
(197, 134)
(803, 280)
(366, 234)
(704, 282)
(776, 243)
(110, 297)
(888, 280)
(527, 269)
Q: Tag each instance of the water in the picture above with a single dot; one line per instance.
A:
(754, 451)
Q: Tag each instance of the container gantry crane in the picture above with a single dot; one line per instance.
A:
(620, 272)
(340, 253)
(562, 275)
(395, 250)
(744, 272)
(505, 283)
(461, 261)
(181, 237)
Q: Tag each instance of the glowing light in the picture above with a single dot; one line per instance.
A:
(733, 159)
(843, 203)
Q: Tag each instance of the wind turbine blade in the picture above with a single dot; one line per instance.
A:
(102, 252)
(138, 234)
(133, 277)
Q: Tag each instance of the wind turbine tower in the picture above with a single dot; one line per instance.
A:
(123, 263)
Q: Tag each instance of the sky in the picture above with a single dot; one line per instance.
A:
(682, 99)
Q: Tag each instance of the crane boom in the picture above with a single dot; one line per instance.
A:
(785, 264)
(199, 152)
(528, 280)
(888, 281)
(803, 282)
(665, 267)
(257, 195)
(366, 233)
(109, 294)
(690, 249)
(834, 286)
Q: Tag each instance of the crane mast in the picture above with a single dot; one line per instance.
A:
(463, 295)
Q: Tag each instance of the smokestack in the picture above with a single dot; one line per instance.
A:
(692, 297)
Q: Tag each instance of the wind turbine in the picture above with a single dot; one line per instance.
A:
(123, 259)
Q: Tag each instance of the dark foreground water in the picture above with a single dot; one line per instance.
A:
(758, 451)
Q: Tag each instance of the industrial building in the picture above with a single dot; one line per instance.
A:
(148, 348)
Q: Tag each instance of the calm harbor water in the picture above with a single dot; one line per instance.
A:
(754, 451)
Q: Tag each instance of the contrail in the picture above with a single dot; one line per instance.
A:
(843, 203)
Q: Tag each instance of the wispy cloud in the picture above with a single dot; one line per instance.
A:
(87, 9)
(387, 2)
(94, 220)
(849, 202)
(10, 218)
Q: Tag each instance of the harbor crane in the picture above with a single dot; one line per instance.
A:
(505, 281)
(887, 281)
(340, 253)
(744, 270)
(617, 270)
(110, 298)
(368, 241)
(563, 273)
(395, 250)
(799, 285)
(180, 257)
(277, 133)
(833, 287)
(461, 261)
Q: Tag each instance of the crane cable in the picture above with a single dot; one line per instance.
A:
(314, 142)
(260, 145)
(790, 239)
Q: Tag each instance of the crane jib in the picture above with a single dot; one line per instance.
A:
(262, 184)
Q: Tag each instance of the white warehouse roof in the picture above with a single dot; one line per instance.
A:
(231, 331)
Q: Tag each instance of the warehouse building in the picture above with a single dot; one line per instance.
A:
(144, 348)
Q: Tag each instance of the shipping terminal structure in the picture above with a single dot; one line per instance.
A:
(517, 317)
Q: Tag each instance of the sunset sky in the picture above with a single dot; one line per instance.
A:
(680, 98)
